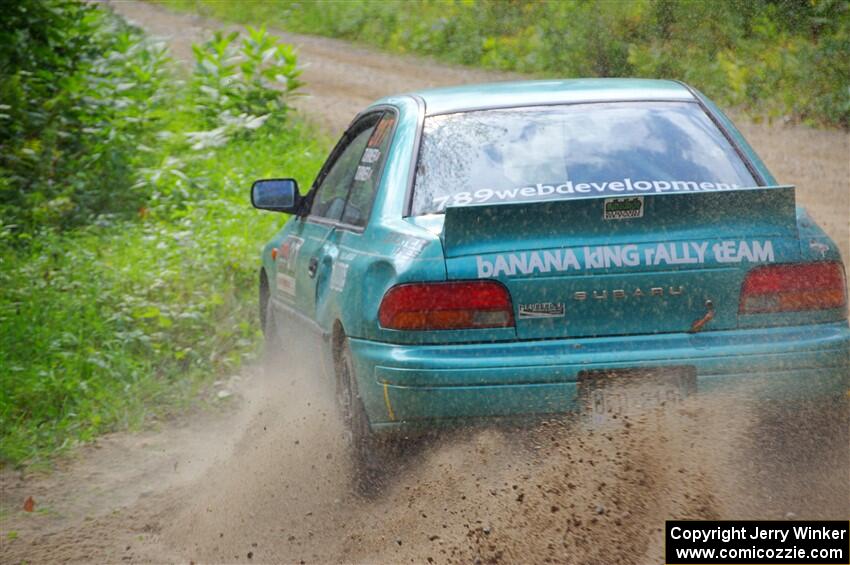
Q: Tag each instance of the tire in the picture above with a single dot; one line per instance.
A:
(272, 342)
(369, 452)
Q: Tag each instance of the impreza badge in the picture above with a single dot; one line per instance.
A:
(541, 310)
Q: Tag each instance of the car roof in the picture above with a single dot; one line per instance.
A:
(544, 92)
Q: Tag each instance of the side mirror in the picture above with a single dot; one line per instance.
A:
(276, 195)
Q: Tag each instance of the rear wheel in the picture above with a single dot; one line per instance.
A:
(272, 343)
(368, 451)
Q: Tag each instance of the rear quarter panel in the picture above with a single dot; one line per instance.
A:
(390, 250)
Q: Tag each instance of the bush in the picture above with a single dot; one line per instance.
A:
(142, 286)
(230, 82)
(104, 327)
(81, 91)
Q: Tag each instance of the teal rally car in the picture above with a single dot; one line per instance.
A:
(529, 248)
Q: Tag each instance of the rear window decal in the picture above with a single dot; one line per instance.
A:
(569, 189)
(608, 256)
(602, 149)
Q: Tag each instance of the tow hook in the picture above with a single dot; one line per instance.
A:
(698, 325)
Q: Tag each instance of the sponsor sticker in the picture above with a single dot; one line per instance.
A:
(631, 255)
(622, 208)
(410, 249)
(371, 155)
(540, 310)
(407, 247)
(339, 274)
(286, 284)
(363, 173)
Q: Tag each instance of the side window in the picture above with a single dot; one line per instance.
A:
(332, 192)
(368, 174)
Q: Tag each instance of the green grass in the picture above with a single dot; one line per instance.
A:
(123, 320)
(103, 328)
(778, 58)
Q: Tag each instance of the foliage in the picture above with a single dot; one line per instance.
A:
(246, 83)
(119, 314)
(775, 57)
(79, 93)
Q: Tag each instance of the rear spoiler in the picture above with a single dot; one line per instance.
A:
(748, 212)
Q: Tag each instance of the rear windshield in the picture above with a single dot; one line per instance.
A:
(575, 151)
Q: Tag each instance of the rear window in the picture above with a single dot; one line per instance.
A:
(575, 151)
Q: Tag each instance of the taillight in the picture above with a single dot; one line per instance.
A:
(446, 306)
(793, 287)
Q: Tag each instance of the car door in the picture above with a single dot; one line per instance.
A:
(315, 239)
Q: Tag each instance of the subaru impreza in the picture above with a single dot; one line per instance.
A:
(533, 248)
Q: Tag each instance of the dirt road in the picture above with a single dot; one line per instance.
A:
(264, 476)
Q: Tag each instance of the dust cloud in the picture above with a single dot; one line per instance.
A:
(281, 485)
(557, 491)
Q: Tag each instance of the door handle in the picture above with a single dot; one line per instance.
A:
(312, 267)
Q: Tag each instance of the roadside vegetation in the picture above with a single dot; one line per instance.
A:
(770, 58)
(128, 247)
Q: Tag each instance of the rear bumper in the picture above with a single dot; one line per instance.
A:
(420, 386)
